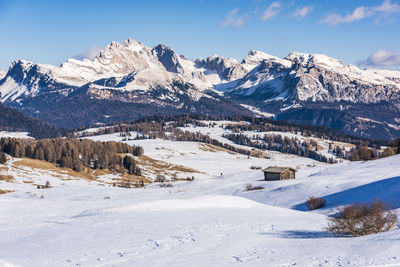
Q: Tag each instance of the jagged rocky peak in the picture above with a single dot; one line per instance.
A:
(169, 58)
(2, 74)
(124, 58)
(18, 69)
(255, 57)
(21, 69)
(306, 60)
(227, 68)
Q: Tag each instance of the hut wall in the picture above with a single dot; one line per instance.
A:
(269, 176)
(287, 174)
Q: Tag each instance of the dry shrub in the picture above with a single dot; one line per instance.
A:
(363, 219)
(255, 167)
(250, 187)
(160, 179)
(45, 186)
(314, 203)
(3, 191)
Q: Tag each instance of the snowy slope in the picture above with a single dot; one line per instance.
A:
(15, 134)
(209, 222)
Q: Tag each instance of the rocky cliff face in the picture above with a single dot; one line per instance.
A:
(163, 81)
(317, 78)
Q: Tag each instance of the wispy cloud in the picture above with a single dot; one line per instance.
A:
(271, 11)
(386, 9)
(91, 53)
(233, 19)
(382, 58)
(302, 12)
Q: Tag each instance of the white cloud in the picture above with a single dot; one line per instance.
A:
(383, 58)
(271, 11)
(303, 12)
(232, 19)
(91, 53)
(384, 10)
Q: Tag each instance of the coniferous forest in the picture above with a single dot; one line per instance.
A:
(76, 154)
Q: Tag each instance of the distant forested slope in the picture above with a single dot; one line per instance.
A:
(13, 120)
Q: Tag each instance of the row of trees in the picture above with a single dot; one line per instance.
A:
(167, 127)
(285, 144)
(76, 154)
(366, 153)
(159, 123)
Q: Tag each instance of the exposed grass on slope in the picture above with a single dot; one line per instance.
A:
(47, 166)
(4, 191)
(7, 178)
(213, 148)
(154, 167)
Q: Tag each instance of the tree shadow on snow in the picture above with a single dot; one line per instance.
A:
(387, 190)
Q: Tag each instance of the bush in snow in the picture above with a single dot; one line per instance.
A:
(166, 185)
(250, 187)
(46, 185)
(363, 219)
(314, 203)
(387, 152)
(160, 179)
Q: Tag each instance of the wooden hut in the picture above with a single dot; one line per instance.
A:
(274, 173)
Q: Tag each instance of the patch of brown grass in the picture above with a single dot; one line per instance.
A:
(7, 178)
(214, 148)
(159, 165)
(4, 191)
(69, 174)
(3, 168)
(62, 172)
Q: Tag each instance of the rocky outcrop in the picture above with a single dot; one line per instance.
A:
(160, 78)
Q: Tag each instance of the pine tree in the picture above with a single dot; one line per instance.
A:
(398, 146)
(3, 158)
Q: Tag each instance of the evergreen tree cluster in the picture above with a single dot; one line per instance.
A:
(395, 145)
(76, 154)
(3, 158)
(13, 120)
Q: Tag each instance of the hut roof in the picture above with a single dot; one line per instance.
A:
(275, 169)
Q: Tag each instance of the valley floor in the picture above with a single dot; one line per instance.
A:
(211, 221)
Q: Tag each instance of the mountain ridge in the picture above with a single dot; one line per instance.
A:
(159, 78)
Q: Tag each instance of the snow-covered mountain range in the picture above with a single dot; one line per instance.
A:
(129, 80)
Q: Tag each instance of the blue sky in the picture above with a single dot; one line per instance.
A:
(358, 31)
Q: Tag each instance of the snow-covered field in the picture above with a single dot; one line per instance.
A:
(211, 221)
(14, 134)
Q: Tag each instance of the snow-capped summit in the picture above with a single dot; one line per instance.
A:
(227, 68)
(131, 72)
(2, 74)
(255, 57)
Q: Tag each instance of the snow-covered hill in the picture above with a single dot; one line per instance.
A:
(210, 221)
(162, 81)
